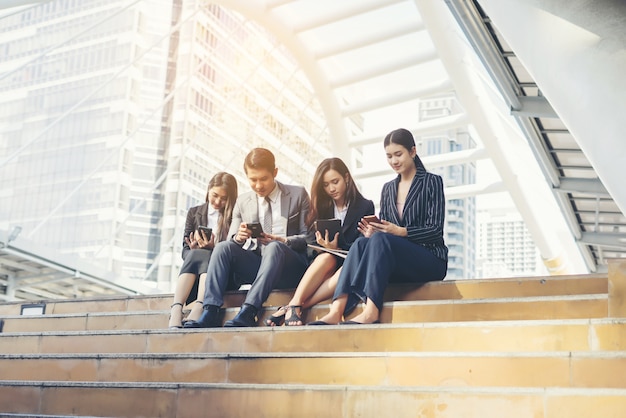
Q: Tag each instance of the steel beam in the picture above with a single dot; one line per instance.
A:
(383, 67)
(442, 86)
(600, 239)
(581, 185)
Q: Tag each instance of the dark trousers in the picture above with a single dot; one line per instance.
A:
(374, 262)
(231, 266)
(195, 262)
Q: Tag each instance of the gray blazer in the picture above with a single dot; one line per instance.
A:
(294, 209)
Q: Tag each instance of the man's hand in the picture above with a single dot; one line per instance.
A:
(243, 233)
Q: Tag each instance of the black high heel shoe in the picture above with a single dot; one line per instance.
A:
(293, 316)
(189, 319)
(276, 321)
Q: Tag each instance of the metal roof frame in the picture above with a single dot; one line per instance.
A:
(572, 177)
(32, 272)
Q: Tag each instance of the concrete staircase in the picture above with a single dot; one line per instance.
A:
(542, 347)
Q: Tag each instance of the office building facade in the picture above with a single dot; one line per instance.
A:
(460, 233)
(115, 115)
(505, 247)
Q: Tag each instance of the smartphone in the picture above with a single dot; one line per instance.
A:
(207, 231)
(371, 218)
(331, 225)
(256, 229)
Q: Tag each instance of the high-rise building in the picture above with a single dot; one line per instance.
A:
(505, 247)
(460, 213)
(244, 91)
(81, 90)
(115, 115)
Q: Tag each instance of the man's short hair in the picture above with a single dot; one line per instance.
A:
(259, 158)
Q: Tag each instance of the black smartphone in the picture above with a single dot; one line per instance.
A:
(331, 225)
(207, 231)
(256, 229)
(371, 218)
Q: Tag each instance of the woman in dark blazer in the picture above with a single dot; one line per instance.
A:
(405, 245)
(216, 213)
(333, 196)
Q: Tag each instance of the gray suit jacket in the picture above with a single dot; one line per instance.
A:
(294, 209)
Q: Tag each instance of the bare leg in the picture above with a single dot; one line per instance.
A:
(325, 290)
(322, 267)
(335, 314)
(196, 309)
(370, 313)
(314, 277)
(183, 287)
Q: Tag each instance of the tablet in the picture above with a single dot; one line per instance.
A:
(331, 225)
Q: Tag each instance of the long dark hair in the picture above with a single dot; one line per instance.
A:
(405, 138)
(320, 201)
(229, 183)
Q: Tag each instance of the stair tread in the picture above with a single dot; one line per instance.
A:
(446, 289)
(271, 309)
(322, 354)
(262, 328)
(317, 387)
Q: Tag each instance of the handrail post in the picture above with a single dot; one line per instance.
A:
(617, 288)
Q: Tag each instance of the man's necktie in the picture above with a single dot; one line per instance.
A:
(267, 219)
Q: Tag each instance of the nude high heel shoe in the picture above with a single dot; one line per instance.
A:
(176, 316)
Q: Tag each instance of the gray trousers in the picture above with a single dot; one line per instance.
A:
(230, 266)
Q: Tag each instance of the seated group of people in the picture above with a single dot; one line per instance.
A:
(222, 249)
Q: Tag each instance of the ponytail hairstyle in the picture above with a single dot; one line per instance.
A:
(229, 183)
(405, 138)
(320, 201)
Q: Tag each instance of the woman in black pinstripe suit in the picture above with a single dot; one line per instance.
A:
(405, 246)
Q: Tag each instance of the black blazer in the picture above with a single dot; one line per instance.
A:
(196, 216)
(349, 232)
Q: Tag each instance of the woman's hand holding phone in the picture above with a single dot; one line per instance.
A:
(204, 237)
(371, 224)
(191, 240)
(371, 219)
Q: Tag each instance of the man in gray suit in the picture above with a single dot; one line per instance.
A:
(274, 259)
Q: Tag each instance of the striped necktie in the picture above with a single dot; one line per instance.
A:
(267, 219)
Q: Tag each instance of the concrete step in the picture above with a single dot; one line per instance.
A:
(498, 336)
(447, 289)
(476, 369)
(550, 307)
(128, 399)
